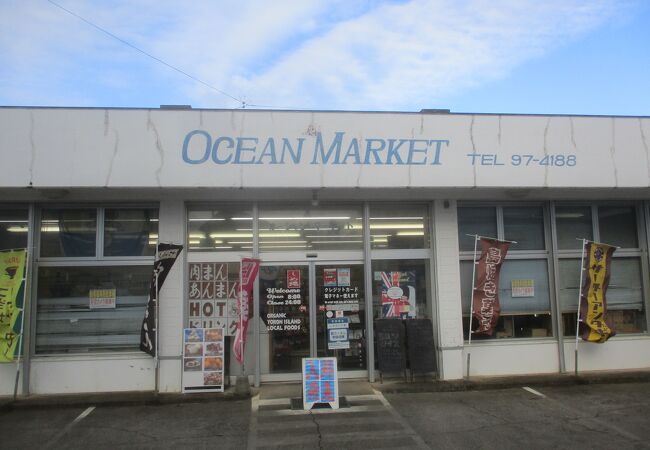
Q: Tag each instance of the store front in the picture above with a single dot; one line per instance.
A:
(355, 217)
(296, 302)
(325, 270)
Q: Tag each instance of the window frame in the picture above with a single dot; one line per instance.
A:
(642, 215)
(513, 254)
(98, 260)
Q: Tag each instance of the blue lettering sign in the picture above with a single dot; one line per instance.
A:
(199, 146)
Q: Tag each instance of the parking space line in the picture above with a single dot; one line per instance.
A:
(405, 425)
(84, 414)
(252, 423)
(67, 428)
(533, 391)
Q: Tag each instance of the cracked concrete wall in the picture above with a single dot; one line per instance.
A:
(172, 297)
(59, 147)
(449, 312)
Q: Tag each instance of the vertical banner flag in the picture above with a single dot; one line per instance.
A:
(12, 274)
(593, 305)
(249, 269)
(485, 298)
(167, 255)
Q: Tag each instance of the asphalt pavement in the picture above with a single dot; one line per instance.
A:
(576, 416)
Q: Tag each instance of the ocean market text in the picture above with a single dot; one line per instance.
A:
(200, 147)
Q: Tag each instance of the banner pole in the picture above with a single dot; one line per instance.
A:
(157, 361)
(22, 325)
(582, 268)
(471, 304)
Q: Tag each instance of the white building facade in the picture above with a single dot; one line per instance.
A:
(317, 195)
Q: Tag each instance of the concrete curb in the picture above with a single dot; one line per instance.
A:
(390, 386)
(117, 399)
(486, 383)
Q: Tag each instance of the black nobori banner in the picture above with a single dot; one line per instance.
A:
(166, 257)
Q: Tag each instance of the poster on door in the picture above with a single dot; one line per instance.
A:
(203, 359)
(338, 293)
(398, 299)
(212, 296)
(338, 336)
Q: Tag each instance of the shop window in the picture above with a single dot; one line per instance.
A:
(525, 226)
(524, 298)
(68, 232)
(624, 295)
(524, 294)
(310, 227)
(410, 276)
(90, 308)
(222, 228)
(93, 305)
(13, 228)
(573, 223)
(475, 220)
(130, 232)
(617, 225)
(399, 226)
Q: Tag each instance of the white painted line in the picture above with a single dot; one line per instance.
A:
(362, 397)
(67, 428)
(274, 401)
(300, 412)
(84, 414)
(405, 425)
(251, 443)
(533, 391)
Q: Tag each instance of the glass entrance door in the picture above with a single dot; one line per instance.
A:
(312, 309)
(341, 314)
(284, 309)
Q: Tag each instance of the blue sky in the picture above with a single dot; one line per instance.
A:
(524, 56)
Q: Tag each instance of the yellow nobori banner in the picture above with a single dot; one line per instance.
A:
(12, 274)
(593, 303)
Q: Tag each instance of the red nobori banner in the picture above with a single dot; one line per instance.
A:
(593, 303)
(485, 298)
(249, 269)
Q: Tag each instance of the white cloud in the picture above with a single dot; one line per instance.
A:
(411, 54)
(291, 53)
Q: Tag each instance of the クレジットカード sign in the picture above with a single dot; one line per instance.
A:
(319, 382)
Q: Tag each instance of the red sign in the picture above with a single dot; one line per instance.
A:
(248, 273)
(293, 279)
(485, 301)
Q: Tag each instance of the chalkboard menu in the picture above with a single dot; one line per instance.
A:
(419, 336)
(390, 345)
